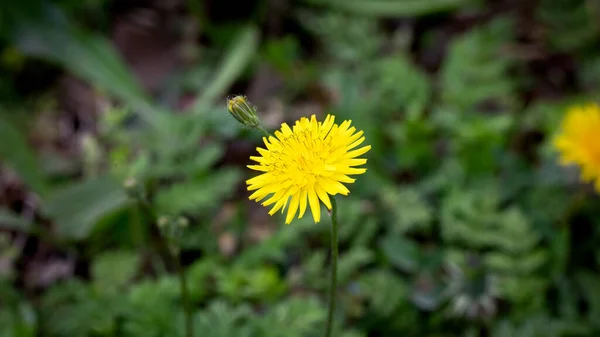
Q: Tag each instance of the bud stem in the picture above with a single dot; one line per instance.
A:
(265, 132)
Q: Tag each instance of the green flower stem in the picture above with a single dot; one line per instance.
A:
(334, 260)
(189, 325)
(164, 246)
(174, 255)
(265, 132)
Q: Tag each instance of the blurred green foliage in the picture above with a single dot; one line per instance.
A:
(464, 225)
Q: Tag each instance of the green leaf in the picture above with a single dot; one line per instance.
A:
(153, 308)
(540, 325)
(401, 252)
(244, 282)
(518, 265)
(390, 8)
(385, 291)
(199, 274)
(222, 320)
(275, 247)
(197, 196)
(77, 208)
(476, 71)
(569, 24)
(476, 223)
(346, 39)
(351, 262)
(39, 29)
(72, 308)
(112, 270)
(19, 157)
(356, 222)
(412, 97)
(237, 58)
(196, 163)
(19, 321)
(298, 317)
(411, 212)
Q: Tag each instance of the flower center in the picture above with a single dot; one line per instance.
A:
(305, 157)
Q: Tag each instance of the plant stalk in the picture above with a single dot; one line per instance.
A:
(164, 249)
(189, 325)
(265, 132)
(334, 260)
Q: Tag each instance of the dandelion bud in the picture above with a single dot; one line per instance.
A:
(183, 222)
(163, 221)
(243, 111)
(132, 188)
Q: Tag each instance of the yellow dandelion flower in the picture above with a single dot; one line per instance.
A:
(307, 163)
(579, 141)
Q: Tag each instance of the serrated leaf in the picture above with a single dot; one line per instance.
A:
(476, 72)
(197, 196)
(410, 210)
(347, 39)
(412, 97)
(352, 261)
(385, 291)
(298, 317)
(72, 308)
(401, 252)
(519, 265)
(222, 320)
(275, 246)
(153, 309)
(193, 165)
(77, 208)
(539, 325)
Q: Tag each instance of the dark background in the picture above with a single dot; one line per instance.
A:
(117, 153)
